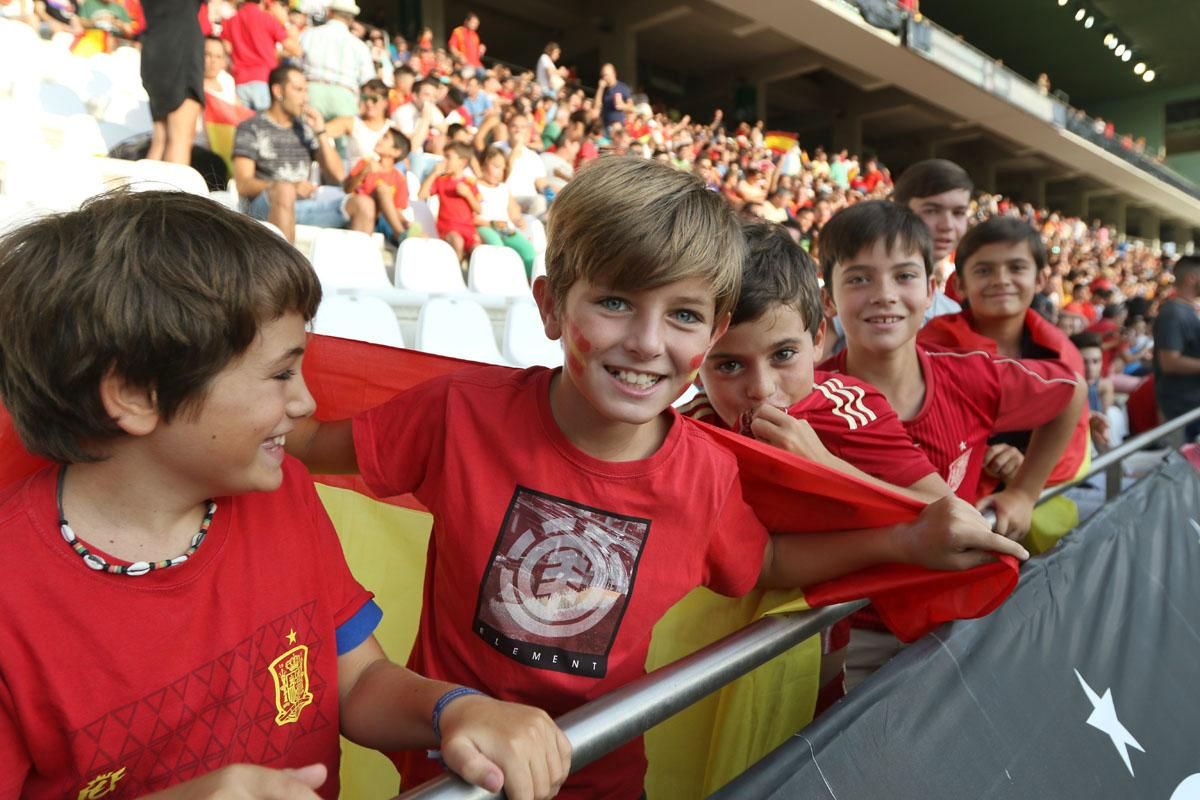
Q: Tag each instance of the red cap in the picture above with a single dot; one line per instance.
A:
(1102, 285)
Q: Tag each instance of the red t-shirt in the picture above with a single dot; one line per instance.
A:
(139, 683)
(253, 33)
(854, 422)
(390, 177)
(971, 395)
(547, 568)
(454, 212)
(955, 331)
(466, 41)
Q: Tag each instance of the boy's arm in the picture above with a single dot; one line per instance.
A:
(489, 743)
(427, 184)
(780, 429)
(326, 448)
(1014, 505)
(948, 535)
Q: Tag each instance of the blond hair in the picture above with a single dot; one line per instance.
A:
(629, 224)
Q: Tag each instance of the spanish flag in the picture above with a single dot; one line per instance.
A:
(781, 141)
(220, 122)
(385, 541)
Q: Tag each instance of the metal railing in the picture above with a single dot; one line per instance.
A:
(599, 727)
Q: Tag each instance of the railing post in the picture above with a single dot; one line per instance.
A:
(1113, 476)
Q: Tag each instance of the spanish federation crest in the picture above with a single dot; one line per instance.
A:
(290, 673)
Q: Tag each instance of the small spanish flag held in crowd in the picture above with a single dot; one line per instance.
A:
(781, 141)
(220, 121)
(385, 540)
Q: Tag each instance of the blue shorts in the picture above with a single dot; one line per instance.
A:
(325, 209)
(255, 95)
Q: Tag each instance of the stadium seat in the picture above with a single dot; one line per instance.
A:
(458, 327)
(525, 342)
(60, 100)
(145, 175)
(423, 217)
(428, 265)
(539, 264)
(535, 232)
(497, 270)
(361, 317)
(348, 260)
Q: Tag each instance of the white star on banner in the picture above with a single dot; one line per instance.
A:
(1104, 718)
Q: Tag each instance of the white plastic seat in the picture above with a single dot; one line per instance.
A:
(428, 265)
(525, 342)
(458, 327)
(60, 100)
(497, 270)
(145, 175)
(420, 214)
(535, 232)
(539, 265)
(357, 316)
(348, 260)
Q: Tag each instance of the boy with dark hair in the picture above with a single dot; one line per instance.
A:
(136, 653)
(759, 379)
(1001, 262)
(939, 192)
(876, 259)
(458, 199)
(378, 178)
(1100, 389)
(607, 507)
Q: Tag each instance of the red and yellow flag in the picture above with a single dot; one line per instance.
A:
(220, 122)
(780, 141)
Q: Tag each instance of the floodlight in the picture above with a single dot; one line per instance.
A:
(1119, 51)
(1128, 55)
(1080, 14)
(1062, 3)
(1149, 76)
(1089, 22)
(1139, 68)
(1110, 41)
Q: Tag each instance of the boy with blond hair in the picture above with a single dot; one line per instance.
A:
(573, 507)
(183, 621)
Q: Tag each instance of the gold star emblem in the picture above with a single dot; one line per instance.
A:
(291, 637)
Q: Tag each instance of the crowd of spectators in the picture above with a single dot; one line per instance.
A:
(345, 111)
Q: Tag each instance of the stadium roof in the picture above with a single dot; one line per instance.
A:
(1034, 36)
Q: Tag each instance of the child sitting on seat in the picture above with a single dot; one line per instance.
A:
(377, 177)
(458, 199)
(500, 220)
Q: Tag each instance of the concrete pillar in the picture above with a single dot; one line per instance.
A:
(1145, 223)
(848, 132)
(1120, 214)
(760, 100)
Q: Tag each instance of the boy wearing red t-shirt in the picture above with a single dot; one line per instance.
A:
(1000, 261)
(379, 179)
(759, 379)
(876, 259)
(458, 199)
(573, 507)
(183, 621)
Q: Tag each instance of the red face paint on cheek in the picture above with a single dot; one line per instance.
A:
(579, 340)
(695, 363)
(574, 365)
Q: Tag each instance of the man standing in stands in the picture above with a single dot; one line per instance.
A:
(273, 153)
(336, 62)
(1177, 346)
(612, 96)
(255, 35)
(465, 46)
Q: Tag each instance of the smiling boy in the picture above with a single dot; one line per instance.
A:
(184, 622)
(939, 192)
(1001, 261)
(573, 507)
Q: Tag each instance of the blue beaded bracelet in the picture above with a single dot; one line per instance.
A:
(444, 701)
